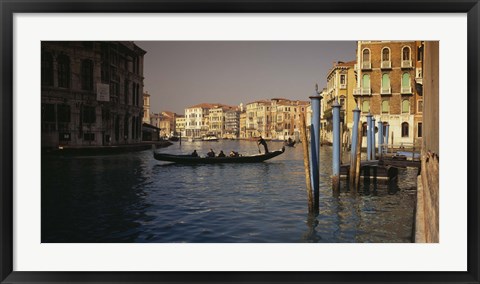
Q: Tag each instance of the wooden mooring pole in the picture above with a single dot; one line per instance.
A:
(306, 162)
(354, 149)
(359, 157)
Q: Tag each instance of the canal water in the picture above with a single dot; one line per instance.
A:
(132, 198)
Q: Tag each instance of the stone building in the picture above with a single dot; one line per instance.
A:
(232, 123)
(91, 93)
(275, 119)
(166, 121)
(386, 72)
(180, 125)
(340, 86)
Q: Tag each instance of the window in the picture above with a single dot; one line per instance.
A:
(125, 92)
(366, 84)
(420, 106)
(405, 106)
(64, 136)
(419, 130)
(385, 54)
(385, 106)
(87, 74)
(420, 53)
(406, 53)
(89, 136)
(405, 129)
(125, 127)
(365, 106)
(63, 112)
(48, 112)
(47, 69)
(406, 83)
(364, 129)
(88, 114)
(385, 84)
(343, 81)
(366, 64)
(63, 71)
(366, 55)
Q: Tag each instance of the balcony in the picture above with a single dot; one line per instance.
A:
(366, 65)
(343, 86)
(362, 92)
(386, 91)
(406, 90)
(407, 64)
(386, 65)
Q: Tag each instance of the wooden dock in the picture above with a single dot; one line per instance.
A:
(382, 169)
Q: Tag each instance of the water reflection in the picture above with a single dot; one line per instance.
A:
(134, 198)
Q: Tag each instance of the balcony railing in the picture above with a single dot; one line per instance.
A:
(366, 65)
(406, 90)
(343, 86)
(386, 65)
(386, 91)
(362, 92)
(407, 64)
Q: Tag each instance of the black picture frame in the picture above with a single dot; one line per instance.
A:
(9, 7)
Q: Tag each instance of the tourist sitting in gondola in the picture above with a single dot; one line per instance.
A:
(221, 154)
(211, 154)
(233, 154)
(194, 154)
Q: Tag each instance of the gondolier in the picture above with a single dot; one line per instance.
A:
(261, 141)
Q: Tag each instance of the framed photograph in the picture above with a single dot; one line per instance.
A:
(255, 142)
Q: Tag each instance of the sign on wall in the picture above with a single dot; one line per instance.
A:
(103, 92)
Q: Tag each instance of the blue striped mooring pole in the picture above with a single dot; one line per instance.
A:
(315, 149)
(369, 136)
(380, 138)
(387, 129)
(336, 146)
(373, 138)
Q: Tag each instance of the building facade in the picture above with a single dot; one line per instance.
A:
(275, 119)
(386, 72)
(91, 93)
(180, 125)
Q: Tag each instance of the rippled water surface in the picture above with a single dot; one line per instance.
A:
(134, 198)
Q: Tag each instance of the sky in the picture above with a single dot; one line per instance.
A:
(180, 74)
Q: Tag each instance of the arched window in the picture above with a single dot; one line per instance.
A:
(405, 129)
(405, 106)
(385, 84)
(406, 53)
(385, 106)
(365, 106)
(63, 71)
(366, 59)
(47, 69)
(366, 55)
(385, 54)
(384, 130)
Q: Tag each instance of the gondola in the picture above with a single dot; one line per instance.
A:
(188, 159)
